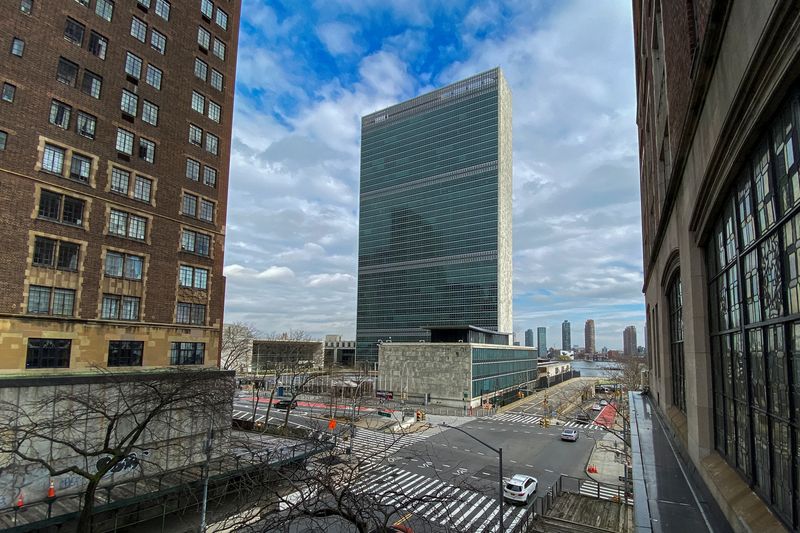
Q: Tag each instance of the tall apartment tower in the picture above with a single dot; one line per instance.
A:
(629, 341)
(566, 336)
(541, 341)
(529, 337)
(589, 337)
(115, 129)
(435, 214)
(719, 129)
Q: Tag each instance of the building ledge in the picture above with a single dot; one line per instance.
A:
(746, 511)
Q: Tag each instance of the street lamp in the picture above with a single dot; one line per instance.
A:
(353, 421)
(499, 452)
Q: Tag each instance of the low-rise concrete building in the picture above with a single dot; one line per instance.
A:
(461, 367)
(272, 353)
(339, 352)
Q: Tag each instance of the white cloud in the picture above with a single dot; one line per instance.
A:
(338, 38)
(332, 280)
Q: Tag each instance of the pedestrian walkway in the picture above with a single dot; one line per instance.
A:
(376, 446)
(604, 492)
(534, 420)
(437, 501)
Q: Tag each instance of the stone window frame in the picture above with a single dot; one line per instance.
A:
(66, 170)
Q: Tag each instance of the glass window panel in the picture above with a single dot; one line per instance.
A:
(765, 209)
(142, 188)
(124, 141)
(86, 125)
(114, 262)
(751, 287)
(92, 84)
(80, 168)
(771, 283)
(73, 211)
(63, 302)
(38, 300)
(186, 274)
(110, 308)
(777, 372)
(200, 68)
(757, 370)
(192, 169)
(217, 79)
(150, 113)
(187, 240)
(130, 308)
(791, 241)
(210, 176)
(68, 256)
(60, 114)
(137, 227)
(44, 251)
(133, 267)
(158, 41)
(747, 229)
(138, 29)
(98, 45)
(153, 77)
(784, 158)
(118, 223)
(200, 278)
(189, 205)
(119, 180)
(104, 9)
(53, 159)
(743, 438)
(133, 65)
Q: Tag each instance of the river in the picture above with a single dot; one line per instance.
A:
(593, 369)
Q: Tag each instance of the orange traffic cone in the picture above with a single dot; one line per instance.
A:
(51, 492)
(20, 503)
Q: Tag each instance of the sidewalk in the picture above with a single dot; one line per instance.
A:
(540, 394)
(608, 457)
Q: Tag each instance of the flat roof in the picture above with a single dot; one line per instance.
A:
(473, 328)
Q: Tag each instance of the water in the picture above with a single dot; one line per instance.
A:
(599, 369)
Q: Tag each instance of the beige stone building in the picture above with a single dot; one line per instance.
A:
(718, 118)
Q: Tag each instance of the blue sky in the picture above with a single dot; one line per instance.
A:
(307, 72)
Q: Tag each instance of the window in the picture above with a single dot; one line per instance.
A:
(203, 38)
(133, 65)
(60, 208)
(119, 180)
(52, 253)
(129, 103)
(86, 124)
(80, 168)
(59, 114)
(119, 265)
(200, 68)
(138, 29)
(150, 113)
(53, 159)
(158, 41)
(98, 45)
(67, 72)
(8, 92)
(84, 3)
(198, 102)
(195, 135)
(117, 307)
(144, 3)
(210, 176)
(162, 9)
(187, 353)
(194, 242)
(104, 9)
(214, 111)
(188, 313)
(50, 301)
(3, 139)
(92, 84)
(147, 150)
(153, 77)
(126, 224)
(212, 143)
(675, 297)
(26, 6)
(192, 169)
(221, 19)
(216, 79)
(193, 277)
(17, 47)
(124, 141)
(73, 31)
(125, 353)
(219, 49)
(189, 205)
(48, 353)
(206, 211)
(142, 188)
(206, 8)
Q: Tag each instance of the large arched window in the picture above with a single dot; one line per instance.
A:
(678, 374)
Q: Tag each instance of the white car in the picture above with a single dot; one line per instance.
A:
(597, 407)
(570, 434)
(520, 488)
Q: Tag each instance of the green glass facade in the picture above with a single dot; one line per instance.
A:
(429, 218)
(495, 369)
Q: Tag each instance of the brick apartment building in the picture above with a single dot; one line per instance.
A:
(718, 89)
(115, 128)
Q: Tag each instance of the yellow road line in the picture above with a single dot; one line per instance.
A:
(403, 519)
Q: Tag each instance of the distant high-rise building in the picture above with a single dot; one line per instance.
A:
(629, 341)
(529, 337)
(435, 214)
(588, 333)
(566, 336)
(541, 341)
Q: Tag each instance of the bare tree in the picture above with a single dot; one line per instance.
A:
(237, 344)
(129, 416)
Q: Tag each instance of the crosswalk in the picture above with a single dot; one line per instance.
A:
(375, 446)
(534, 420)
(604, 492)
(437, 501)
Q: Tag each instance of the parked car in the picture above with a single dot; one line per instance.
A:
(520, 488)
(603, 402)
(582, 418)
(569, 434)
(286, 404)
(597, 407)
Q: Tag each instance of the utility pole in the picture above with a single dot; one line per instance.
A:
(208, 446)
(499, 452)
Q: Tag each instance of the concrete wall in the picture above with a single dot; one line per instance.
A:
(443, 370)
(505, 321)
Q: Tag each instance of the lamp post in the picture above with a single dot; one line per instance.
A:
(353, 422)
(499, 452)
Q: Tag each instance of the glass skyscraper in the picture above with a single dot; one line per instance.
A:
(435, 214)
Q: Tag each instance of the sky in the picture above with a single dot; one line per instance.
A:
(307, 72)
